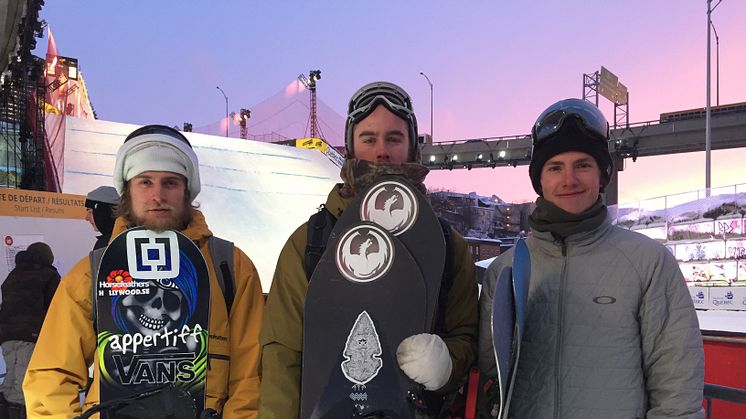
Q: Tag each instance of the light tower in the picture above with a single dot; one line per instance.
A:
(310, 83)
(244, 116)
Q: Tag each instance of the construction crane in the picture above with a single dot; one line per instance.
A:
(310, 83)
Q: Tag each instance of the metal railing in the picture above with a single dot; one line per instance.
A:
(728, 394)
(718, 392)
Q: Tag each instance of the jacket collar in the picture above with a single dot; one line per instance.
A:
(335, 203)
(580, 240)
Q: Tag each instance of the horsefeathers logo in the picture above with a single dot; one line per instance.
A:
(119, 279)
(364, 253)
(392, 205)
(152, 255)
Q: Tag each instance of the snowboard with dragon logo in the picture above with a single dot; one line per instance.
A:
(394, 204)
(376, 284)
(152, 302)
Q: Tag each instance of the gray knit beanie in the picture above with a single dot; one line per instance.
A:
(102, 194)
(156, 148)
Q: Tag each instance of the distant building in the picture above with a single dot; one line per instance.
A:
(489, 224)
(482, 249)
(452, 207)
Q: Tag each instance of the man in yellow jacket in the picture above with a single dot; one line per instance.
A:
(381, 139)
(157, 177)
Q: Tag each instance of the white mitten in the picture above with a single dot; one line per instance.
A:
(425, 359)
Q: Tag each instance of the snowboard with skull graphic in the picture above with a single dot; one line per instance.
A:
(152, 302)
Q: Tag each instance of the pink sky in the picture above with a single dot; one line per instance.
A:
(648, 177)
(494, 65)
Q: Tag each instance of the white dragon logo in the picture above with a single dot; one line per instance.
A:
(364, 262)
(399, 209)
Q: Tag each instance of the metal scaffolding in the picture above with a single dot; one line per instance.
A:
(22, 110)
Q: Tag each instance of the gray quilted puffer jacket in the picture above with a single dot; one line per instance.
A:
(611, 331)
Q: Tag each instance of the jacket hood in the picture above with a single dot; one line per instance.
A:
(335, 203)
(197, 230)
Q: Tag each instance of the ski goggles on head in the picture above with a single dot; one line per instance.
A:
(553, 118)
(376, 93)
(368, 97)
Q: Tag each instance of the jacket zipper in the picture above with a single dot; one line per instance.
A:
(216, 356)
(560, 318)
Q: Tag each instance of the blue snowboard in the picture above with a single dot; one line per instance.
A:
(152, 302)
(508, 316)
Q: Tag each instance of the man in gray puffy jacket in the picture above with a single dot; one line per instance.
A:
(610, 328)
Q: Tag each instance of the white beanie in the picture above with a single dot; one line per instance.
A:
(156, 150)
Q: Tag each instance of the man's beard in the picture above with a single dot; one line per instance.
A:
(176, 220)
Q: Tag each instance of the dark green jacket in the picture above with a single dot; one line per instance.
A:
(282, 331)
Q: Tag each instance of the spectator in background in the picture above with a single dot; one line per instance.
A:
(27, 292)
(100, 205)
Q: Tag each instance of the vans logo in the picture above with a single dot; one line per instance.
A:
(604, 299)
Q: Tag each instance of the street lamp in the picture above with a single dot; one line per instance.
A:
(432, 136)
(717, 64)
(708, 113)
(226, 109)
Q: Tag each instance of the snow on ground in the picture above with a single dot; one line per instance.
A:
(722, 321)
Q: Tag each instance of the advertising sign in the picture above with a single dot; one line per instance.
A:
(727, 298)
(700, 296)
(700, 251)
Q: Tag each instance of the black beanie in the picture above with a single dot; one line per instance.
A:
(104, 217)
(42, 251)
(572, 136)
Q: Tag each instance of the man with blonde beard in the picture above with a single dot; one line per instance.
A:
(157, 177)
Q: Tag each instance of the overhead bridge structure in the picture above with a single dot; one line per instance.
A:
(680, 132)
(651, 138)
